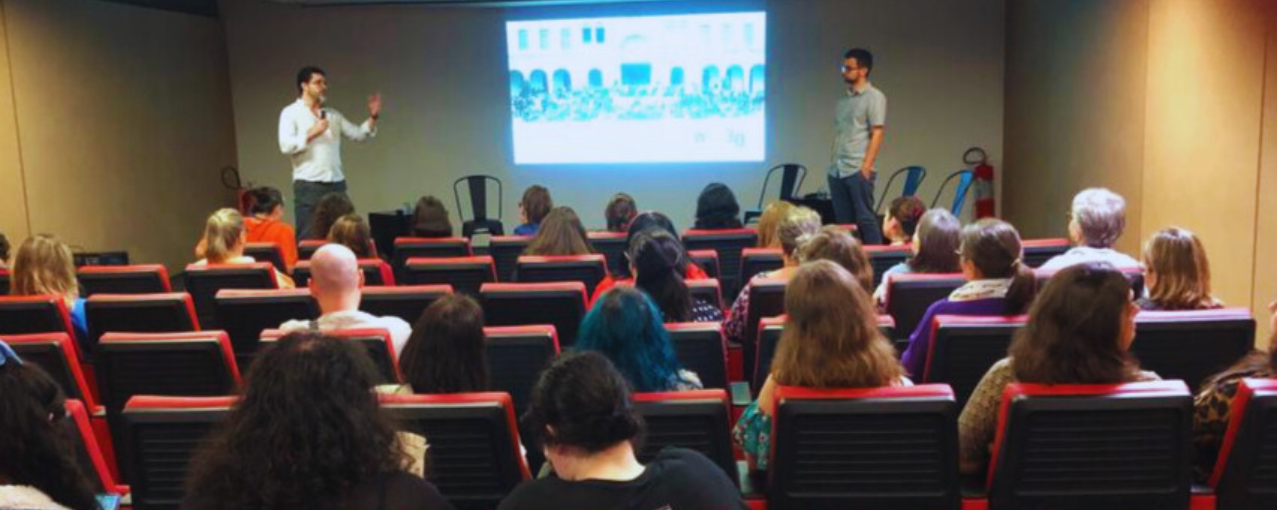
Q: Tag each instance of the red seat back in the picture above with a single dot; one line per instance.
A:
(696, 420)
(139, 313)
(34, 314)
(174, 364)
(908, 296)
(203, 282)
(1038, 251)
(505, 251)
(161, 434)
(407, 248)
(587, 269)
(768, 340)
(516, 357)
(404, 301)
(874, 448)
(701, 348)
(766, 299)
(758, 260)
(267, 252)
(475, 460)
(1243, 476)
(1110, 446)
(612, 246)
(375, 341)
(464, 274)
(521, 304)
(244, 314)
(307, 247)
(728, 243)
(376, 272)
(707, 260)
(88, 451)
(962, 349)
(136, 279)
(1192, 345)
(883, 257)
(56, 354)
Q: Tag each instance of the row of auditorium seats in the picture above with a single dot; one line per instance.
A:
(1096, 447)
(1185, 345)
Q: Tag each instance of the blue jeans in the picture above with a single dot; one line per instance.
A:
(853, 198)
(305, 195)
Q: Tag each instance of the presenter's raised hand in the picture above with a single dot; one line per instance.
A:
(374, 106)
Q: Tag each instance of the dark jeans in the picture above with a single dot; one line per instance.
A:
(305, 195)
(853, 198)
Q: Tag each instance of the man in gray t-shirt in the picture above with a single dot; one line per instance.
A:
(861, 117)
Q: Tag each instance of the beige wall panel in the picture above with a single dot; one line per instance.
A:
(13, 203)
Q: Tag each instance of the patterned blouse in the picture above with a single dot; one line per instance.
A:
(1211, 410)
(978, 423)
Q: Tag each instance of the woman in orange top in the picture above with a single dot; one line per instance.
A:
(644, 221)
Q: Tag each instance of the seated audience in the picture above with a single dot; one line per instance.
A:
(902, 218)
(999, 283)
(45, 265)
(352, 232)
(560, 233)
(769, 220)
(657, 263)
(1176, 273)
(224, 240)
(266, 225)
(308, 433)
(1213, 405)
(39, 469)
(534, 206)
(619, 211)
(430, 218)
(582, 418)
(934, 246)
(645, 221)
(831, 340)
(330, 208)
(4, 251)
(335, 280)
(840, 247)
(626, 327)
(445, 353)
(798, 226)
(1096, 221)
(716, 208)
(1079, 331)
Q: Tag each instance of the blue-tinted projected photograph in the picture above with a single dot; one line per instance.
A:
(642, 89)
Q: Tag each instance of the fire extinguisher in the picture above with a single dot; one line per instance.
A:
(985, 204)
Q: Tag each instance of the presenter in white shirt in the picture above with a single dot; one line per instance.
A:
(310, 135)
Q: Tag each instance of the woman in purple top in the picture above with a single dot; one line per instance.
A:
(998, 283)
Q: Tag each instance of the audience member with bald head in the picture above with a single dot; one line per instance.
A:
(335, 282)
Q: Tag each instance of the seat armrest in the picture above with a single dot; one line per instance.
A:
(741, 395)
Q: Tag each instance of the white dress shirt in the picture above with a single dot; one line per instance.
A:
(320, 159)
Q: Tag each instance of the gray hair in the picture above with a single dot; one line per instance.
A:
(1100, 215)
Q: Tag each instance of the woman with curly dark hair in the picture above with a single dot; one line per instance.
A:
(38, 467)
(329, 209)
(582, 417)
(307, 433)
(716, 208)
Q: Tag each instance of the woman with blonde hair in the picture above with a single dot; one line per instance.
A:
(831, 340)
(560, 233)
(224, 240)
(1176, 272)
(768, 222)
(45, 265)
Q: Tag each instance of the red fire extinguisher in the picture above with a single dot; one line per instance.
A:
(978, 161)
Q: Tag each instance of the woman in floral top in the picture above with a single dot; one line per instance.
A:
(1213, 405)
(831, 340)
(1079, 330)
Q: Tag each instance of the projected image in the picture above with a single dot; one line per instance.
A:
(648, 89)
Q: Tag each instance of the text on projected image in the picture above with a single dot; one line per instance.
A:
(646, 89)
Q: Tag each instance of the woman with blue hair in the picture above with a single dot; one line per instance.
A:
(626, 326)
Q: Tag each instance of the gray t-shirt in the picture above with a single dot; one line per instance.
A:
(857, 113)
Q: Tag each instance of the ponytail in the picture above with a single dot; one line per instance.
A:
(659, 261)
(1024, 287)
(222, 235)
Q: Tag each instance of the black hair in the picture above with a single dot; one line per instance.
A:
(265, 200)
(306, 431)
(619, 211)
(4, 247)
(716, 208)
(430, 218)
(34, 449)
(304, 75)
(660, 261)
(648, 220)
(446, 352)
(863, 58)
(586, 401)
